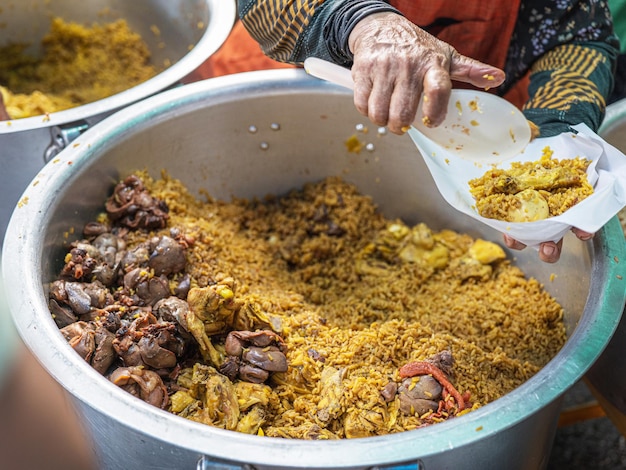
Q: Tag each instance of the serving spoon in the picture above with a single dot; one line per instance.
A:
(480, 127)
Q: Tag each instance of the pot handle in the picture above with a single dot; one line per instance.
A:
(206, 463)
(62, 136)
(417, 465)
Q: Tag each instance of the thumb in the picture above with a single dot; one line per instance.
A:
(467, 70)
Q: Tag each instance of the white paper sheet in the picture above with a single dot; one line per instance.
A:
(607, 173)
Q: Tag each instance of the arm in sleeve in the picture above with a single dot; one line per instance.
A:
(570, 85)
(572, 61)
(292, 30)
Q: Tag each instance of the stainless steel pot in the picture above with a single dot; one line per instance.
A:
(190, 31)
(268, 132)
(607, 377)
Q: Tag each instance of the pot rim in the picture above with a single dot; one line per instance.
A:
(613, 116)
(27, 302)
(221, 19)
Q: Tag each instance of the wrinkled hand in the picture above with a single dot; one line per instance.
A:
(395, 62)
(4, 116)
(549, 252)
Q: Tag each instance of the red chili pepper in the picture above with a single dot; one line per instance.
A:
(426, 368)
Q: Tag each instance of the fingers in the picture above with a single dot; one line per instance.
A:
(386, 70)
(437, 84)
(363, 88)
(437, 89)
(512, 243)
(467, 70)
(550, 252)
(386, 92)
(396, 63)
(582, 235)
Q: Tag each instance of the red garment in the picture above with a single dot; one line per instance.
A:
(239, 53)
(478, 29)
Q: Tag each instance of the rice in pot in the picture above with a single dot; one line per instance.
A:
(79, 64)
(316, 278)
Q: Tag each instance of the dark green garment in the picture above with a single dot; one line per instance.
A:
(571, 50)
(618, 10)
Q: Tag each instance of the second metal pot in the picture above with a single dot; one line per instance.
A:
(190, 31)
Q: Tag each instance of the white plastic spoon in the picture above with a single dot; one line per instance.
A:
(479, 126)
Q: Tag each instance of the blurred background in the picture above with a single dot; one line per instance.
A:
(39, 428)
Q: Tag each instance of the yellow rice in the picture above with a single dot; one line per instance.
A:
(330, 296)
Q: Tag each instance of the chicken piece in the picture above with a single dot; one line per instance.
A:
(389, 392)
(181, 402)
(146, 342)
(486, 252)
(436, 368)
(215, 305)
(367, 415)
(84, 342)
(144, 288)
(469, 268)
(251, 317)
(105, 354)
(269, 358)
(411, 245)
(159, 346)
(92, 342)
(390, 240)
(218, 396)
(251, 422)
(83, 298)
(251, 394)
(167, 256)
(436, 258)
(172, 309)
(531, 191)
(141, 383)
(363, 423)
(211, 311)
(537, 178)
(329, 406)
(63, 315)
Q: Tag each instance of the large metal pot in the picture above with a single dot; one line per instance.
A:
(268, 132)
(607, 377)
(190, 31)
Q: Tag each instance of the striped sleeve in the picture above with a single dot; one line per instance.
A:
(281, 26)
(292, 30)
(570, 49)
(569, 85)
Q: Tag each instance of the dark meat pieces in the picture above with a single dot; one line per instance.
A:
(132, 206)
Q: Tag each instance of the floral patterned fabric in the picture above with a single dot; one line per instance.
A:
(545, 24)
(570, 49)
